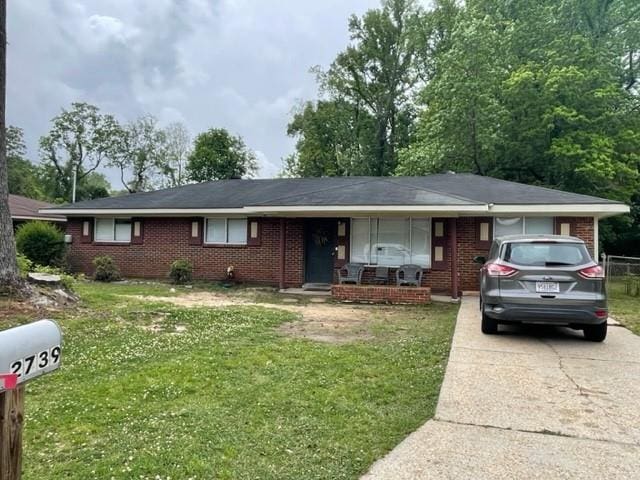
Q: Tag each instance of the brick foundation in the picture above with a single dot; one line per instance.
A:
(381, 294)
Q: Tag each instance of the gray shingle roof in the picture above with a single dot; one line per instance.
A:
(25, 208)
(442, 190)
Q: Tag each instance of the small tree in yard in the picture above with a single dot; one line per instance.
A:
(41, 242)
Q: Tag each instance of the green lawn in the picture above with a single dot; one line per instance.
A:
(624, 308)
(229, 396)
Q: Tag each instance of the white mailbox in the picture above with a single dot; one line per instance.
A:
(31, 350)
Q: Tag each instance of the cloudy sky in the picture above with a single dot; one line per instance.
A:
(238, 64)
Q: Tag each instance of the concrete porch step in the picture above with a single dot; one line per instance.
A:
(317, 287)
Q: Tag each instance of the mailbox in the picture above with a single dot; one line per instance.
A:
(29, 351)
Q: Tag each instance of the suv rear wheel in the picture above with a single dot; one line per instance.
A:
(489, 325)
(595, 333)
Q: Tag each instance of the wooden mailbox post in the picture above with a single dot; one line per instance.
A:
(26, 352)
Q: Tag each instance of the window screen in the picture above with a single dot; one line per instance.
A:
(227, 231)
(538, 225)
(104, 229)
(523, 225)
(508, 226)
(237, 230)
(113, 230)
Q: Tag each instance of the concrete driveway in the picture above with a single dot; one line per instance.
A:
(528, 403)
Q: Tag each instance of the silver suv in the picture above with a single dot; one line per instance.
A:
(544, 279)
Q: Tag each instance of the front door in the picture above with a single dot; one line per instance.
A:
(320, 245)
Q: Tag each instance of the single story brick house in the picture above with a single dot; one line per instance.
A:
(294, 231)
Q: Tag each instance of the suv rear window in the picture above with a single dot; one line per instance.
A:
(546, 254)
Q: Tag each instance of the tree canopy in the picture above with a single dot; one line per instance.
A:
(218, 155)
(544, 93)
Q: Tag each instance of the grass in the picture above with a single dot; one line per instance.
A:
(229, 397)
(624, 308)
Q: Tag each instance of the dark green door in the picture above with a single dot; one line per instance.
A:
(320, 245)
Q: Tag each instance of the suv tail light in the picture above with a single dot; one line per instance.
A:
(498, 270)
(592, 272)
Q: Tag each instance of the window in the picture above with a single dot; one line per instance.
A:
(391, 241)
(546, 254)
(226, 231)
(113, 230)
(522, 225)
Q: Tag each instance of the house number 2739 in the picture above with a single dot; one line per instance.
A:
(35, 362)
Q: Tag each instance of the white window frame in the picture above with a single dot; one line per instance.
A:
(429, 239)
(113, 230)
(524, 224)
(226, 231)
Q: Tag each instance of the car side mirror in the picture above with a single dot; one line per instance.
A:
(480, 259)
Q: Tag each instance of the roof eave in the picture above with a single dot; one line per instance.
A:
(596, 210)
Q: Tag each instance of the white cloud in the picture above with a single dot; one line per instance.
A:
(238, 64)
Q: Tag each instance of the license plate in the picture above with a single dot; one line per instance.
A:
(547, 287)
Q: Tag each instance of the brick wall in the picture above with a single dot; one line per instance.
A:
(468, 271)
(167, 239)
(381, 294)
(581, 227)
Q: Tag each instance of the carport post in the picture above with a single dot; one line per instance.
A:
(282, 252)
(453, 238)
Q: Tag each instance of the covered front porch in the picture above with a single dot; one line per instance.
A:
(378, 244)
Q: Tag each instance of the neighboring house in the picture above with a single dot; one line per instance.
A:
(289, 232)
(24, 209)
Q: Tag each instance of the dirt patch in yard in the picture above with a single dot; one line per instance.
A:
(195, 299)
(321, 322)
(329, 323)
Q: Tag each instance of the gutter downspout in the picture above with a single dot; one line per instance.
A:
(453, 239)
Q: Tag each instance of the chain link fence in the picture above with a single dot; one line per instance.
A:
(623, 273)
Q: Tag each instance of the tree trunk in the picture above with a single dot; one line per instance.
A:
(10, 280)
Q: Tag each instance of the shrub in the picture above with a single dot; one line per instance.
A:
(181, 271)
(41, 242)
(106, 269)
(24, 264)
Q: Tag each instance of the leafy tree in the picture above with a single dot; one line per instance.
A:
(23, 175)
(177, 151)
(140, 154)
(79, 141)
(218, 155)
(460, 125)
(377, 73)
(334, 138)
(93, 185)
(538, 92)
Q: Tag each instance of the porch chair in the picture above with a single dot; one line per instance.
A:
(351, 273)
(409, 275)
(382, 276)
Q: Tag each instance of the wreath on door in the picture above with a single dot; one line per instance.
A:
(320, 237)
